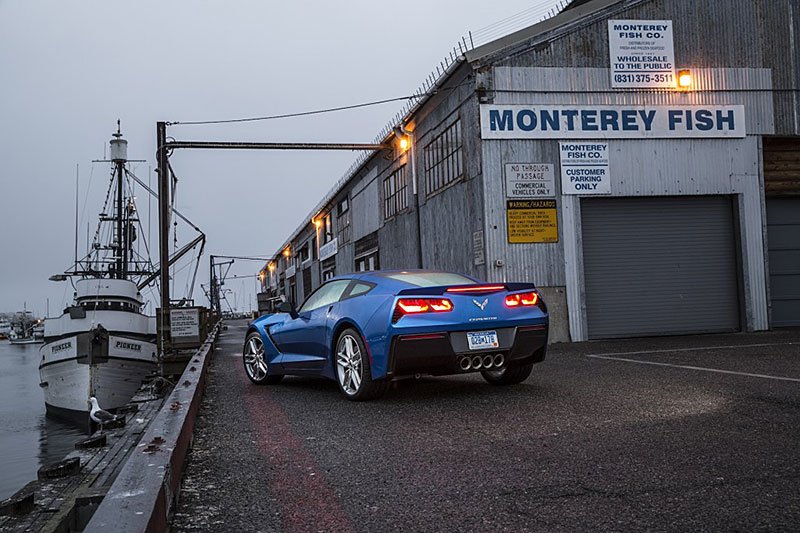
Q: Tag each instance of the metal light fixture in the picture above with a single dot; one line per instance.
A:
(403, 138)
(684, 79)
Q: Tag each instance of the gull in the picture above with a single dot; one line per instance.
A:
(98, 415)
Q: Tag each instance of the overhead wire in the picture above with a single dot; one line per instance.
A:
(298, 114)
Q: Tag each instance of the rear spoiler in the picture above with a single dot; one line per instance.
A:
(483, 288)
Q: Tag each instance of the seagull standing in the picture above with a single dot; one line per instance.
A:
(98, 415)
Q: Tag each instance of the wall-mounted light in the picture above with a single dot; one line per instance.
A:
(271, 267)
(287, 252)
(317, 222)
(403, 138)
(684, 79)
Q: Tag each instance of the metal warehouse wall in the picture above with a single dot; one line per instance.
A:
(729, 33)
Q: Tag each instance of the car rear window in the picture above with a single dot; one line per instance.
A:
(431, 279)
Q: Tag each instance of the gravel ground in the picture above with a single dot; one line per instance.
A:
(584, 443)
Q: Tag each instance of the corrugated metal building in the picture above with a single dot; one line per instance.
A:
(687, 220)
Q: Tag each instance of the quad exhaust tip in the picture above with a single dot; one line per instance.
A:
(498, 360)
(477, 362)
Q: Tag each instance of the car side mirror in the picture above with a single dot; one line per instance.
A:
(287, 307)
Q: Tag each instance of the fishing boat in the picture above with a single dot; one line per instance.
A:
(23, 329)
(104, 344)
(5, 328)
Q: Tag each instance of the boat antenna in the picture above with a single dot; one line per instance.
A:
(77, 187)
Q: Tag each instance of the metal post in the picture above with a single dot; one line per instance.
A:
(163, 221)
(120, 251)
(211, 287)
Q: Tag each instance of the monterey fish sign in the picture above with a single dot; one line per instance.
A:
(610, 122)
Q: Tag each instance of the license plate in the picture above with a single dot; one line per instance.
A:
(480, 340)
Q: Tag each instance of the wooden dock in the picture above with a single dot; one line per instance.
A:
(66, 503)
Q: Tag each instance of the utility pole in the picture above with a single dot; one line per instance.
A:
(212, 287)
(163, 226)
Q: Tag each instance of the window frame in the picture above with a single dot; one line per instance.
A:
(395, 192)
(442, 159)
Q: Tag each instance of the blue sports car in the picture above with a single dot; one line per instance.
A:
(365, 329)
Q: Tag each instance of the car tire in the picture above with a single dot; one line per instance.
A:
(352, 368)
(255, 366)
(511, 375)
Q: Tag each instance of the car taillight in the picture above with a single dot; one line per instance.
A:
(413, 306)
(522, 299)
(477, 288)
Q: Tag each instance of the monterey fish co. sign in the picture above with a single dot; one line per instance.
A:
(610, 122)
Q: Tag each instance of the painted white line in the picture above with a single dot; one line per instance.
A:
(700, 368)
(699, 349)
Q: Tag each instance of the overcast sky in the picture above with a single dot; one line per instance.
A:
(69, 69)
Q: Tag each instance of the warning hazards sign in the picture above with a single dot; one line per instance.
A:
(530, 221)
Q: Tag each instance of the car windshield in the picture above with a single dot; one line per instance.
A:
(431, 279)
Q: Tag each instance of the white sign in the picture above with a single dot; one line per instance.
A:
(530, 180)
(291, 271)
(641, 54)
(184, 323)
(329, 249)
(584, 168)
(611, 122)
(478, 255)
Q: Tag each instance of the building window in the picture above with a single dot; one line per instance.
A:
(306, 282)
(368, 262)
(343, 229)
(365, 251)
(327, 229)
(395, 189)
(302, 256)
(342, 207)
(328, 269)
(442, 159)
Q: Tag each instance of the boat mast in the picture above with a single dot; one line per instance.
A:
(119, 149)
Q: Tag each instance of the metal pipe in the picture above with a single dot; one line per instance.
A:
(273, 146)
(487, 361)
(499, 359)
(464, 363)
(477, 362)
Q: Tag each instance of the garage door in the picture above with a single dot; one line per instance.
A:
(783, 238)
(659, 266)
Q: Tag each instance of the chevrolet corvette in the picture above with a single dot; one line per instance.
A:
(366, 329)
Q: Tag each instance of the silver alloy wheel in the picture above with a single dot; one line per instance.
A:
(254, 361)
(348, 364)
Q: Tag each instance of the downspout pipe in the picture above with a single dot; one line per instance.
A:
(412, 154)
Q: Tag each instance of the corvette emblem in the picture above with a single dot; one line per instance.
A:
(481, 304)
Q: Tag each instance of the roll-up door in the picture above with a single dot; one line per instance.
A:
(659, 266)
(783, 238)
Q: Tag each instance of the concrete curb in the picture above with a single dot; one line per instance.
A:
(143, 495)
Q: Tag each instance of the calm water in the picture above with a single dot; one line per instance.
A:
(28, 439)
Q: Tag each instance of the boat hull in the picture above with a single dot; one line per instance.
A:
(74, 368)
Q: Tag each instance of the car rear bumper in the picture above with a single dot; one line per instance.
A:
(438, 353)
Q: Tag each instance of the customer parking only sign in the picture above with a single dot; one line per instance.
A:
(584, 168)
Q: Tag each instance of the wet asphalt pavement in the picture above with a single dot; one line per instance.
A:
(585, 443)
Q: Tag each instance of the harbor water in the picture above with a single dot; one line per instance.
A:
(28, 439)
